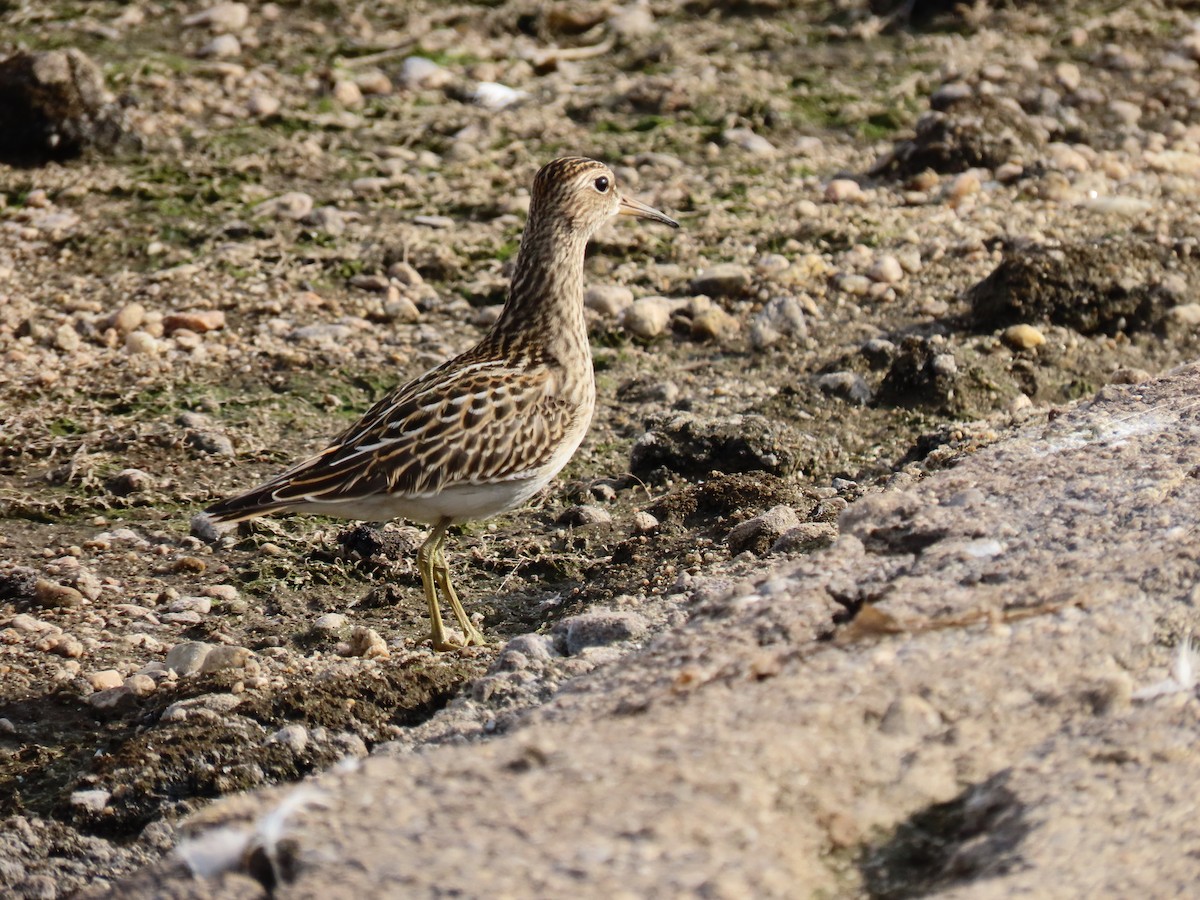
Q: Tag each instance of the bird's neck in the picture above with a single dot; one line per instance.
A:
(545, 299)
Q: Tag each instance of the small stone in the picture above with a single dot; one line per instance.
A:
(493, 95)
(1129, 375)
(843, 190)
(886, 269)
(373, 82)
(128, 318)
(806, 537)
(782, 316)
(192, 565)
(1129, 113)
(418, 72)
(748, 141)
(647, 318)
(202, 526)
(347, 93)
(1186, 314)
(599, 628)
(328, 219)
(200, 322)
(50, 595)
(66, 338)
(223, 46)
(218, 659)
(964, 185)
(609, 299)
(847, 385)
(405, 274)
(367, 643)
(92, 801)
(211, 442)
(714, 323)
(294, 205)
(1023, 337)
(221, 17)
(759, 533)
(200, 605)
(853, 284)
(724, 280)
(140, 685)
(644, 522)
(398, 308)
(330, 622)
(1068, 75)
(294, 737)
(105, 679)
(910, 716)
(262, 105)
(584, 516)
(188, 657)
(139, 343)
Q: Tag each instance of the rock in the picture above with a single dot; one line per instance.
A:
(328, 219)
(218, 659)
(347, 93)
(211, 442)
(647, 318)
(367, 643)
(417, 72)
(694, 446)
(200, 322)
(608, 300)
(644, 522)
(66, 338)
(373, 82)
(761, 532)
(104, 679)
(847, 385)
(782, 316)
(130, 481)
(910, 716)
(128, 318)
(294, 737)
(886, 269)
(493, 95)
(920, 375)
(54, 106)
(843, 190)
(405, 274)
(202, 526)
(223, 46)
(139, 343)
(49, 595)
(112, 700)
(585, 516)
(262, 105)
(806, 537)
(330, 622)
(188, 657)
(853, 284)
(746, 139)
(1022, 337)
(91, 801)
(140, 685)
(220, 18)
(294, 205)
(599, 628)
(723, 280)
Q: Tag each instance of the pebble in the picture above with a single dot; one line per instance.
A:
(105, 679)
(225, 593)
(847, 385)
(218, 659)
(200, 322)
(886, 269)
(62, 644)
(844, 190)
(328, 219)
(723, 280)
(211, 442)
(128, 318)
(49, 595)
(644, 522)
(599, 628)
(347, 93)
(1186, 314)
(806, 537)
(293, 205)
(223, 46)
(748, 141)
(221, 17)
(853, 284)
(782, 316)
(910, 716)
(201, 605)
(964, 185)
(92, 801)
(647, 318)
(493, 95)
(367, 643)
(405, 274)
(140, 685)
(66, 338)
(1068, 75)
(419, 72)
(759, 533)
(609, 299)
(585, 515)
(373, 82)
(262, 105)
(1127, 207)
(398, 308)
(1023, 337)
(188, 657)
(713, 322)
(294, 737)
(330, 622)
(140, 343)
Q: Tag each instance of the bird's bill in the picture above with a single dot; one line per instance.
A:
(631, 207)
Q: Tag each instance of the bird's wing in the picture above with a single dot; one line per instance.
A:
(475, 422)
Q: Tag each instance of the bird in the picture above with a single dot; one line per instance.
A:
(486, 430)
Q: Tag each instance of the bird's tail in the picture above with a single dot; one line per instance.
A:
(260, 501)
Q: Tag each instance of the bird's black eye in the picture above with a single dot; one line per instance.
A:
(602, 184)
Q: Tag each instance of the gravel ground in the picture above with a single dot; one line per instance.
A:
(902, 238)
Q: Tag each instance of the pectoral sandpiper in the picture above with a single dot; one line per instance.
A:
(485, 431)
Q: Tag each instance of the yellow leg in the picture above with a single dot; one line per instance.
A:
(441, 572)
(425, 558)
(435, 576)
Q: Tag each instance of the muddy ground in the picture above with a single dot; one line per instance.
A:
(901, 236)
